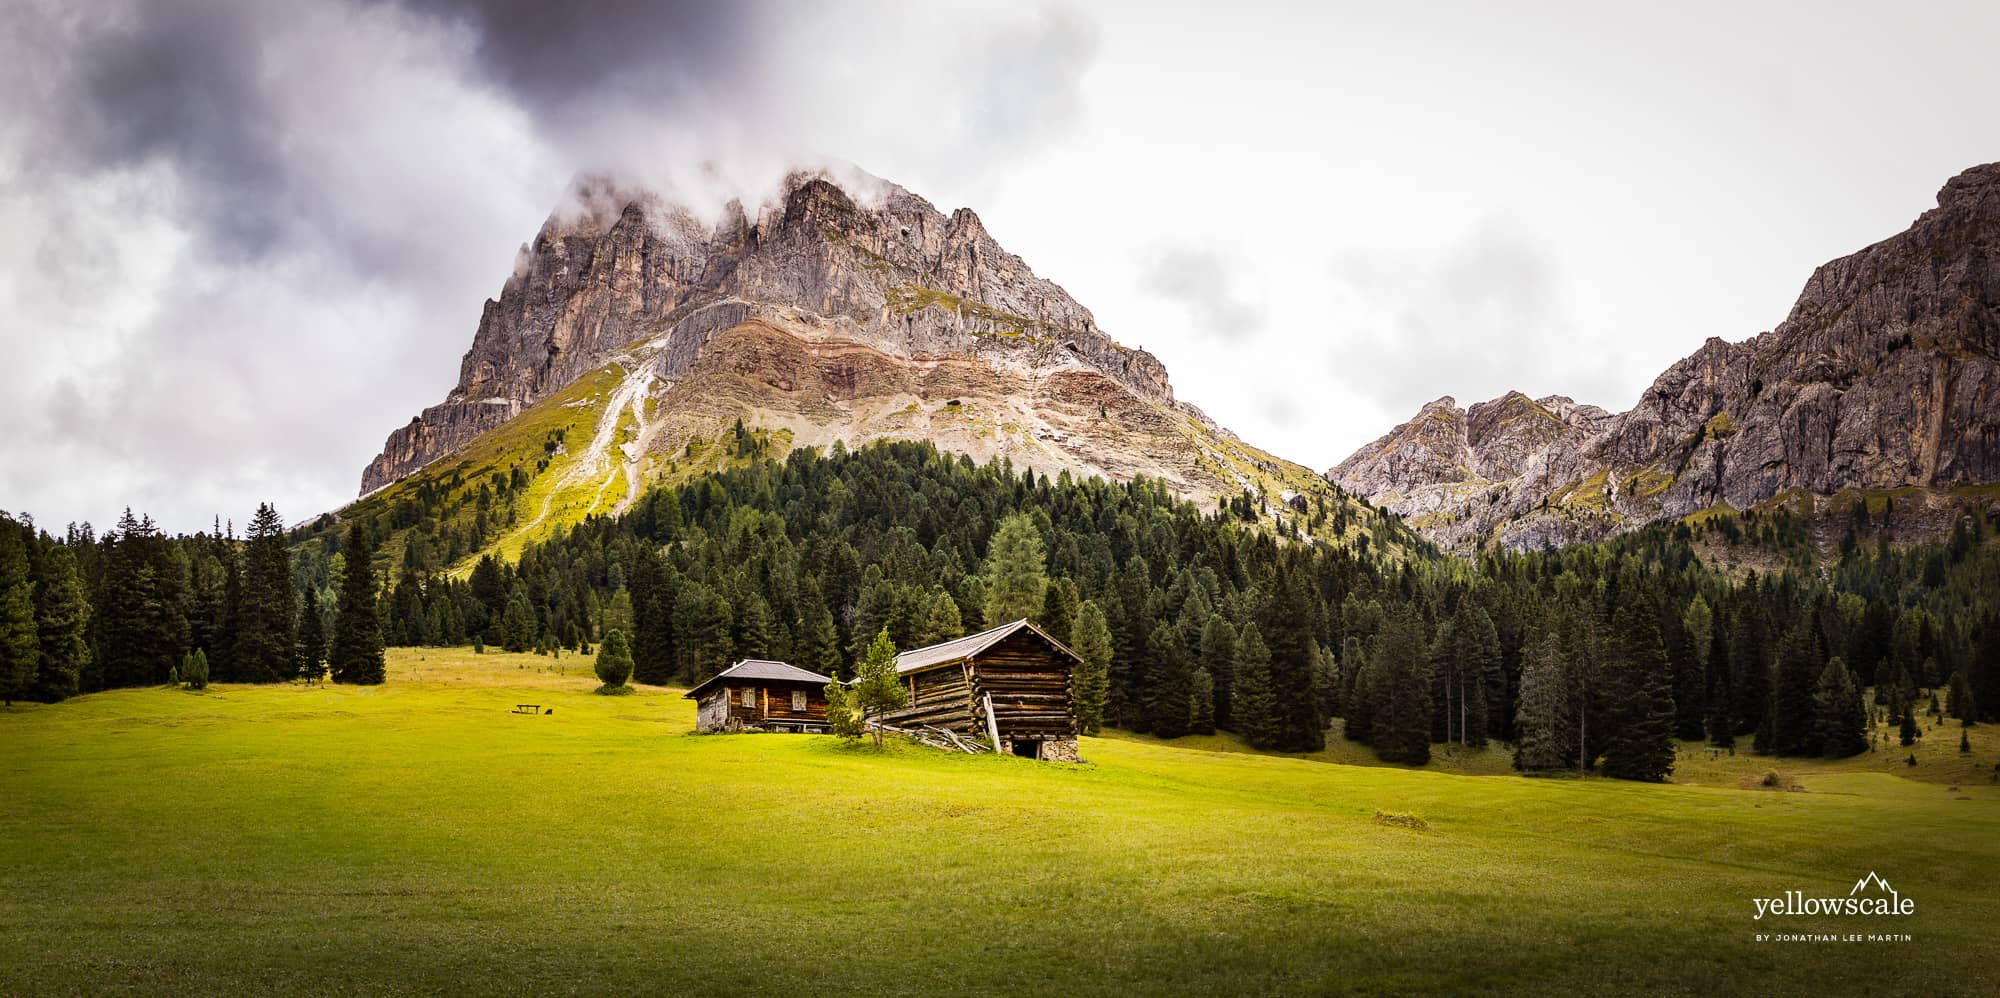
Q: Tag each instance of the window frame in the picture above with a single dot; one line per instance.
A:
(799, 701)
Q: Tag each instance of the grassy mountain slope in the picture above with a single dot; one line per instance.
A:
(420, 837)
(595, 446)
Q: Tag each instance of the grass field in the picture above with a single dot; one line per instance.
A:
(420, 837)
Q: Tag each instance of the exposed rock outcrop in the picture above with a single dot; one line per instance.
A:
(893, 274)
(1886, 375)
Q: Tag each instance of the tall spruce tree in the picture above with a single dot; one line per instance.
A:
(1543, 725)
(1016, 572)
(357, 628)
(310, 643)
(141, 621)
(818, 640)
(1841, 717)
(1402, 729)
(62, 620)
(1253, 710)
(1287, 629)
(20, 648)
(1169, 687)
(1691, 676)
(1218, 656)
(266, 609)
(1640, 743)
(518, 627)
(1201, 702)
(1090, 638)
(1476, 654)
(1794, 683)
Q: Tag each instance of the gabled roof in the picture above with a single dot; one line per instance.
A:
(760, 668)
(945, 653)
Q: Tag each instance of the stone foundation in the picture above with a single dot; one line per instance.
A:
(1061, 750)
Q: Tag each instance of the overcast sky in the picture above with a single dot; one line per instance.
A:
(247, 238)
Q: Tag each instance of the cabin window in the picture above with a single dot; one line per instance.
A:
(750, 696)
(799, 701)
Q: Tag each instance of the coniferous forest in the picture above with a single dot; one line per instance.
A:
(1189, 620)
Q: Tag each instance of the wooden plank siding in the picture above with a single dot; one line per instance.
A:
(773, 705)
(1028, 680)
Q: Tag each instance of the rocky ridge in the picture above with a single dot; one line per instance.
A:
(1885, 376)
(827, 317)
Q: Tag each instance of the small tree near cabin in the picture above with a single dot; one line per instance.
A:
(1016, 572)
(842, 720)
(614, 663)
(1090, 638)
(878, 690)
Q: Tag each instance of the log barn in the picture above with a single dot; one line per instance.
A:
(761, 695)
(1010, 685)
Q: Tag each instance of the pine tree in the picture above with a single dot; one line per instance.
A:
(617, 613)
(357, 629)
(1640, 744)
(20, 648)
(518, 628)
(941, 620)
(1402, 730)
(1476, 653)
(1961, 704)
(878, 689)
(141, 617)
(1907, 728)
(1169, 686)
(1795, 684)
(1363, 693)
(1090, 638)
(818, 640)
(1253, 709)
(1543, 725)
(1691, 678)
(1016, 576)
(1218, 656)
(614, 662)
(842, 721)
(1201, 703)
(310, 655)
(266, 610)
(196, 675)
(1287, 630)
(62, 619)
(1841, 719)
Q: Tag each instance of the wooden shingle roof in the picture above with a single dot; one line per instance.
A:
(958, 649)
(760, 668)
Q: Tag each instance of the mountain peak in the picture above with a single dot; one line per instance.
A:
(1976, 186)
(1885, 376)
(636, 334)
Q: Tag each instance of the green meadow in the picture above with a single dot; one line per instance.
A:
(422, 837)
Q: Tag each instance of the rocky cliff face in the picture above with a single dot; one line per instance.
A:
(1886, 375)
(634, 337)
(895, 275)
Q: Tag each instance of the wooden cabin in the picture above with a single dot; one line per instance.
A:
(1010, 685)
(760, 695)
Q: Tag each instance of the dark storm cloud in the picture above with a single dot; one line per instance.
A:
(560, 57)
(1202, 283)
(252, 236)
(182, 81)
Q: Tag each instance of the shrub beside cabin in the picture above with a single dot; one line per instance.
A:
(760, 695)
(1010, 685)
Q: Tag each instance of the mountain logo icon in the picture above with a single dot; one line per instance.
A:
(1877, 880)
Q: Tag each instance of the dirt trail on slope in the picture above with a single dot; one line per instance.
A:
(631, 393)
